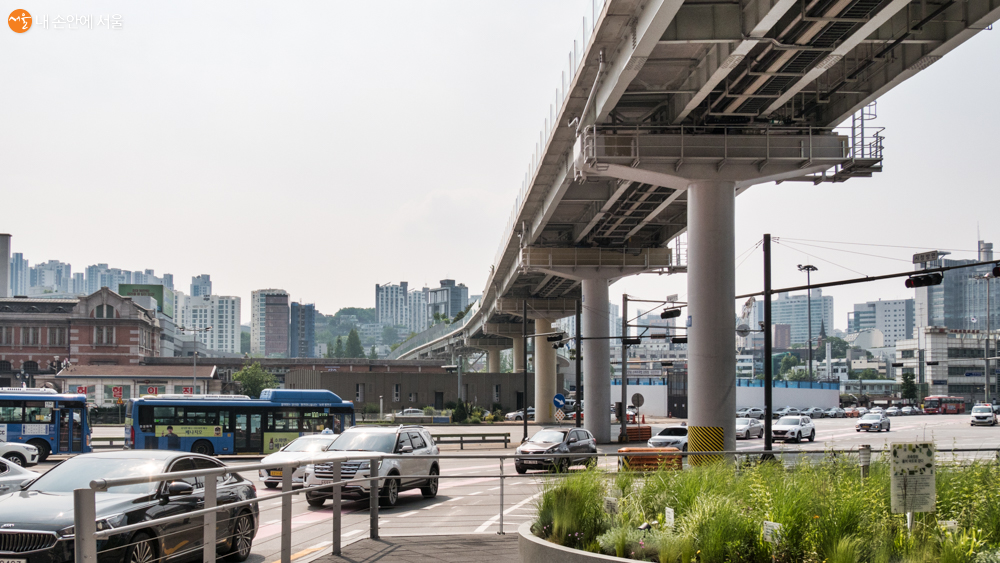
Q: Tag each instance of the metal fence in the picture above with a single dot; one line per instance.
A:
(88, 532)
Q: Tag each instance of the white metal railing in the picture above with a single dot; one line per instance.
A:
(86, 534)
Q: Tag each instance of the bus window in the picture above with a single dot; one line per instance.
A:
(283, 420)
(163, 415)
(36, 412)
(11, 414)
(224, 421)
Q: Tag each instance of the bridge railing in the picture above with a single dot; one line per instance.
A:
(433, 333)
(596, 257)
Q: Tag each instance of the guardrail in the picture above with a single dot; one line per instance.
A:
(86, 532)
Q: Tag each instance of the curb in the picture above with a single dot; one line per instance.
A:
(534, 549)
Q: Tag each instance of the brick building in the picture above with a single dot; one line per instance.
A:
(104, 328)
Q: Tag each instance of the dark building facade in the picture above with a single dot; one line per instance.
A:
(302, 331)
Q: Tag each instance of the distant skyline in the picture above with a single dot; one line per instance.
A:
(340, 157)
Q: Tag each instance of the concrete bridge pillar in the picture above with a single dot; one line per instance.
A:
(711, 286)
(596, 359)
(493, 359)
(518, 354)
(545, 374)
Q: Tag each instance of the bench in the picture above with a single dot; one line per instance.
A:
(650, 462)
(476, 438)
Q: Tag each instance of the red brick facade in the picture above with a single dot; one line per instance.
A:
(101, 329)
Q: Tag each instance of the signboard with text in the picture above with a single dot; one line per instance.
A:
(116, 392)
(81, 389)
(912, 484)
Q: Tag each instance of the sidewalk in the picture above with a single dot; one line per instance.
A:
(431, 549)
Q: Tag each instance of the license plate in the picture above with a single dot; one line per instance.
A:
(532, 462)
(325, 481)
(13, 561)
(273, 474)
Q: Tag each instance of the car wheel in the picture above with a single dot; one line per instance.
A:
(43, 448)
(16, 459)
(812, 436)
(519, 467)
(315, 501)
(203, 447)
(796, 439)
(390, 493)
(270, 484)
(242, 541)
(518, 418)
(888, 427)
(141, 550)
(857, 430)
(431, 489)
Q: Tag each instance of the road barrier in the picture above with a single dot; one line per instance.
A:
(85, 499)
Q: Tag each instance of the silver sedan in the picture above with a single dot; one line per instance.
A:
(747, 428)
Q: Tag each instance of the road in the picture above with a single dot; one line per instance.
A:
(471, 504)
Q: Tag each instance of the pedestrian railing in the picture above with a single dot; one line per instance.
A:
(87, 533)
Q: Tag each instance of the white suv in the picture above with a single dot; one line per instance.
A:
(19, 454)
(397, 445)
(794, 428)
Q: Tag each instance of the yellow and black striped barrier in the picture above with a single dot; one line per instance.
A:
(706, 439)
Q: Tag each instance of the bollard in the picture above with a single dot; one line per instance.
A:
(286, 513)
(865, 458)
(500, 532)
(373, 498)
(209, 533)
(85, 525)
(336, 508)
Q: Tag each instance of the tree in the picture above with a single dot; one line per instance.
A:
(372, 354)
(338, 348)
(389, 335)
(253, 379)
(787, 363)
(838, 349)
(244, 342)
(909, 387)
(460, 413)
(354, 348)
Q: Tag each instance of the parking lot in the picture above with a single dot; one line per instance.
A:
(471, 504)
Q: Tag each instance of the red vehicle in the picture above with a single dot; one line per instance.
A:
(943, 404)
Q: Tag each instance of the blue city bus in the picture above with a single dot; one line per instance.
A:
(233, 424)
(55, 423)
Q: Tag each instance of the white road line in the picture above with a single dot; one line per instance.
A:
(405, 514)
(493, 489)
(485, 526)
(475, 493)
(269, 522)
(349, 534)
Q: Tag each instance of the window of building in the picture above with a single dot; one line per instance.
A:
(104, 335)
(104, 312)
(395, 393)
(496, 393)
(359, 392)
(30, 336)
(57, 336)
(906, 354)
(7, 335)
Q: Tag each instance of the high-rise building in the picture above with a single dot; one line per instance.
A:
(893, 318)
(959, 302)
(391, 304)
(793, 310)
(50, 277)
(5, 265)
(417, 319)
(220, 312)
(19, 270)
(168, 281)
(269, 317)
(79, 284)
(448, 299)
(201, 285)
(302, 331)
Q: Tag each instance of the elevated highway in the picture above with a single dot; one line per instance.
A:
(671, 108)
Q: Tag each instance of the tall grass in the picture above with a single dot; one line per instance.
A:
(827, 511)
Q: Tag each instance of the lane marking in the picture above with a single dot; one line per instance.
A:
(307, 551)
(475, 493)
(496, 518)
(406, 514)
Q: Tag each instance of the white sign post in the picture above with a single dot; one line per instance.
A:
(772, 532)
(913, 488)
(668, 517)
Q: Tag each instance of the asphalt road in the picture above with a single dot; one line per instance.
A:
(471, 504)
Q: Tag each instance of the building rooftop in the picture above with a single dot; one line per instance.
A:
(138, 372)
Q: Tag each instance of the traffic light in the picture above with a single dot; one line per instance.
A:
(924, 280)
(556, 337)
(679, 340)
(670, 313)
(631, 341)
(996, 271)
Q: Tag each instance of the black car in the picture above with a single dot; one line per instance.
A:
(559, 441)
(36, 523)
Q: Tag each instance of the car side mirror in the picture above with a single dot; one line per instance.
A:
(573, 440)
(406, 450)
(179, 488)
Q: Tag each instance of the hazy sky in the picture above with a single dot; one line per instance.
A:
(324, 147)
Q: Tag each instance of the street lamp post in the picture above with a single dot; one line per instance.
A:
(194, 372)
(809, 269)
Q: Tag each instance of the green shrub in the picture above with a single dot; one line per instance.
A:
(460, 414)
(475, 420)
(571, 510)
(428, 411)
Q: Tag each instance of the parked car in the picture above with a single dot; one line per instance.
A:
(398, 445)
(879, 410)
(851, 412)
(862, 411)
(982, 415)
(893, 411)
(12, 476)
(750, 412)
(794, 429)
(749, 428)
(519, 414)
(908, 410)
(20, 454)
(785, 411)
(39, 518)
(303, 447)
(410, 412)
(813, 412)
(670, 437)
(873, 421)
(835, 412)
(557, 441)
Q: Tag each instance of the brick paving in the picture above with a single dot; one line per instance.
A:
(431, 549)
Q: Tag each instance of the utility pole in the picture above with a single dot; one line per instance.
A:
(579, 358)
(624, 416)
(768, 364)
(524, 350)
(986, 351)
(809, 269)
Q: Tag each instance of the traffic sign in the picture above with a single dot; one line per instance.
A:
(559, 400)
(560, 415)
(637, 400)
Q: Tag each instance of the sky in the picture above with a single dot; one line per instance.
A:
(325, 147)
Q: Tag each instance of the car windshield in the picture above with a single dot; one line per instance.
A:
(982, 409)
(364, 442)
(78, 472)
(743, 422)
(674, 431)
(788, 421)
(871, 417)
(548, 436)
(309, 444)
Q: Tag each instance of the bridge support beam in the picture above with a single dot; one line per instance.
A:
(596, 359)
(711, 293)
(493, 359)
(545, 374)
